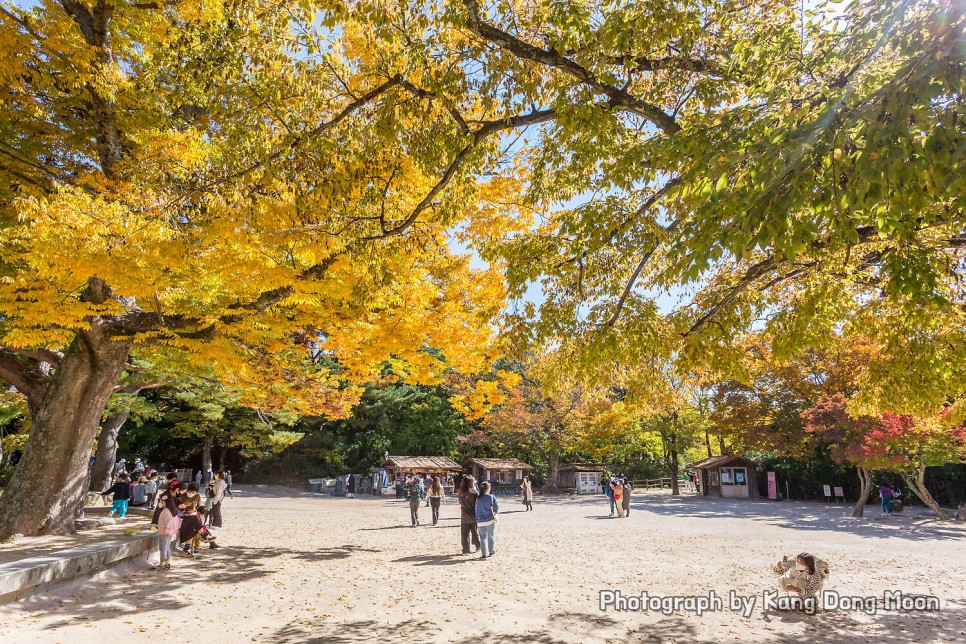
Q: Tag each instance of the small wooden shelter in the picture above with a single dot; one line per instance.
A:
(734, 477)
(584, 478)
(431, 465)
(497, 470)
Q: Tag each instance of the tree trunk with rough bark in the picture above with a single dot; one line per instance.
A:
(553, 470)
(106, 454)
(865, 489)
(917, 483)
(674, 467)
(206, 446)
(50, 482)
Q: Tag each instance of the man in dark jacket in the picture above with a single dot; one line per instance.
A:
(122, 494)
(467, 496)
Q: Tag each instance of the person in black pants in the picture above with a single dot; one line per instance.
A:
(435, 495)
(467, 496)
(414, 493)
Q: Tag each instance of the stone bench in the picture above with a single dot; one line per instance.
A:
(27, 576)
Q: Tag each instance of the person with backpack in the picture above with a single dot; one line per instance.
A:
(168, 525)
(414, 492)
(609, 491)
(487, 508)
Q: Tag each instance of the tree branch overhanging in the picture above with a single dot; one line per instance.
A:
(618, 98)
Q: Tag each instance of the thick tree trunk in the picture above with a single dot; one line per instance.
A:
(106, 454)
(707, 441)
(865, 488)
(206, 446)
(553, 470)
(917, 482)
(721, 445)
(674, 467)
(222, 455)
(49, 483)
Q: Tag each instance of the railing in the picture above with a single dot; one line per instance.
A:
(658, 484)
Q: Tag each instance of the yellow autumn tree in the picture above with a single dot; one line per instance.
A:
(259, 193)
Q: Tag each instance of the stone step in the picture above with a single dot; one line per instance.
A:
(21, 578)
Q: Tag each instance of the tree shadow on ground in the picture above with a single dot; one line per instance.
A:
(893, 627)
(804, 516)
(136, 589)
(561, 628)
(330, 554)
(434, 560)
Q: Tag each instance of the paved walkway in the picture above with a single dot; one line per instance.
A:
(298, 567)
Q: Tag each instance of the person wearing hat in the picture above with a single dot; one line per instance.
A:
(139, 493)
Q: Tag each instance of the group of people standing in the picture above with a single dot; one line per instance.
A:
(618, 491)
(183, 514)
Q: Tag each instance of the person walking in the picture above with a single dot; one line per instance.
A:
(217, 490)
(400, 486)
(198, 479)
(527, 491)
(626, 498)
(122, 494)
(414, 493)
(228, 482)
(350, 486)
(487, 508)
(435, 495)
(617, 491)
(468, 530)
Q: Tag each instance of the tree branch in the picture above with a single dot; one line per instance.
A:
(618, 97)
(25, 374)
(491, 127)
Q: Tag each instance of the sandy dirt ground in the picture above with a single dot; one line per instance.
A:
(303, 568)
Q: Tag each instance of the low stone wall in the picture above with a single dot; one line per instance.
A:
(27, 576)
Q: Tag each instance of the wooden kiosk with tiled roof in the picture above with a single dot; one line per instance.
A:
(506, 474)
(394, 466)
(733, 477)
(432, 465)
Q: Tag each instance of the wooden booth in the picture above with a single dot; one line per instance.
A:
(733, 477)
(505, 474)
(446, 469)
(583, 478)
